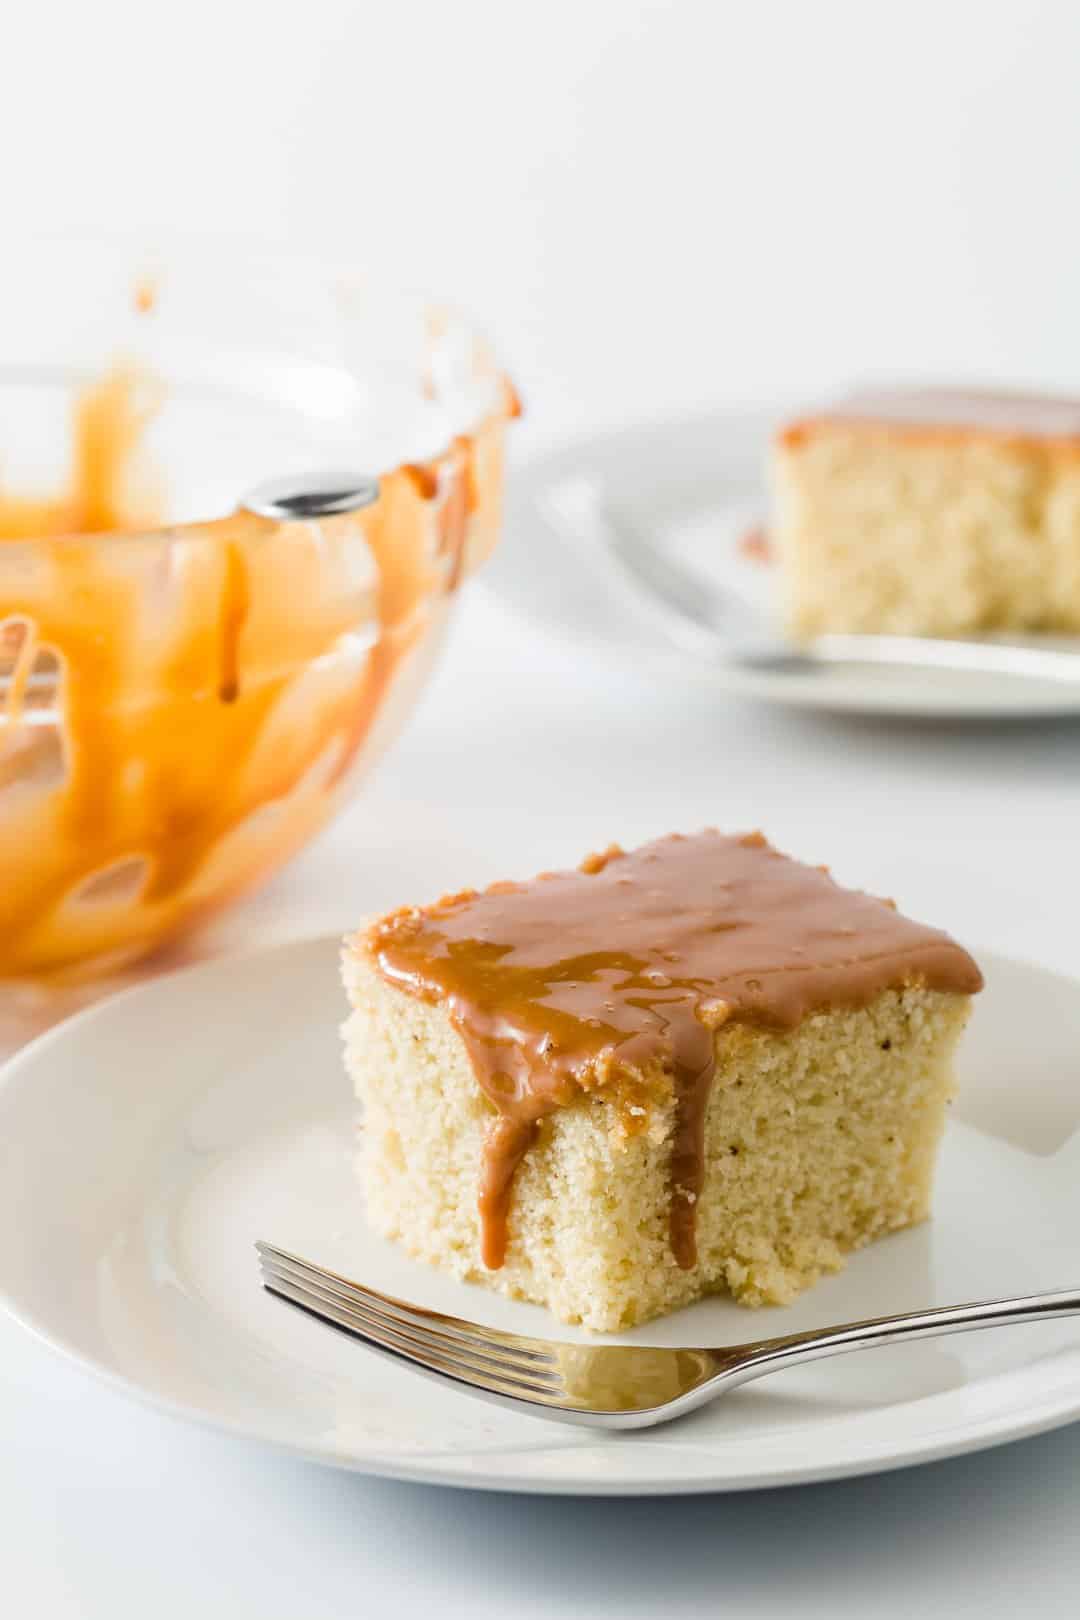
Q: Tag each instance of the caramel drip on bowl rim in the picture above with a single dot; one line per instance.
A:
(235, 604)
(22, 666)
(219, 685)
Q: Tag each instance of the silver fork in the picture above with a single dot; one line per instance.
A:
(613, 1386)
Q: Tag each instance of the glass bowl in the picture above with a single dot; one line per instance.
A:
(191, 685)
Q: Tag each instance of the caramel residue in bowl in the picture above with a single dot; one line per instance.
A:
(145, 295)
(110, 487)
(425, 480)
(235, 606)
(613, 979)
(214, 690)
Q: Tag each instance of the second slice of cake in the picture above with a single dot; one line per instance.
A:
(931, 512)
(700, 1066)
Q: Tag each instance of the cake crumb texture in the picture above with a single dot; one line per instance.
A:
(883, 530)
(817, 1140)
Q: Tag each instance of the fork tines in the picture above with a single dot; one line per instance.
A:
(524, 1370)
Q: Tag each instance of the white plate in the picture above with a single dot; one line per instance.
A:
(145, 1144)
(697, 485)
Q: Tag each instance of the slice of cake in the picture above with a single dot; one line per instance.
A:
(930, 512)
(697, 1067)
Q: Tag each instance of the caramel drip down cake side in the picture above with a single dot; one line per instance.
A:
(618, 980)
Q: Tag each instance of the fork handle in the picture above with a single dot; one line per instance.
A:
(768, 1355)
(929, 652)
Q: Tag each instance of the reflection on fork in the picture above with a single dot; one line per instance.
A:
(613, 1386)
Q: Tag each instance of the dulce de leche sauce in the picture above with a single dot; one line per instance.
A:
(180, 710)
(613, 980)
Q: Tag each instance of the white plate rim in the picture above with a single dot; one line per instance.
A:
(635, 439)
(966, 1437)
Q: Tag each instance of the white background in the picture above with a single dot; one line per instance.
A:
(649, 202)
(651, 206)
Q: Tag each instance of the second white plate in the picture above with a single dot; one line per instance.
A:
(697, 485)
(147, 1143)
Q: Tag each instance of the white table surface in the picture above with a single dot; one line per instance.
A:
(524, 756)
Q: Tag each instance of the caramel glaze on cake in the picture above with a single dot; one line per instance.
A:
(613, 979)
(936, 414)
